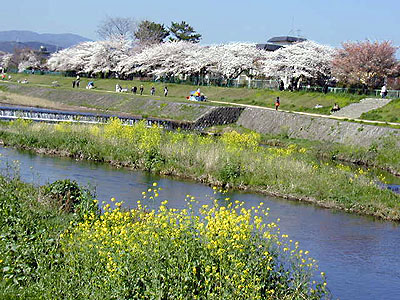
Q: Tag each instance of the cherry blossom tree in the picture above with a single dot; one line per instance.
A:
(365, 63)
(231, 60)
(305, 60)
(107, 55)
(167, 59)
(92, 57)
(72, 59)
(22, 59)
(5, 59)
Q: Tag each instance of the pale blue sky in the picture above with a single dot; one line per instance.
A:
(325, 21)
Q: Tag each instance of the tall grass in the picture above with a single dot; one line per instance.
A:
(234, 160)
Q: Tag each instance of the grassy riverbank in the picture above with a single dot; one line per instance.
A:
(383, 153)
(292, 101)
(388, 113)
(57, 246)
(102, 102)
(234, 160)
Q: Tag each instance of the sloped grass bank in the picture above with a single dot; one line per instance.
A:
(383, 154)
(388, 113)
(61, 98)
(293, 101)
(234, 160)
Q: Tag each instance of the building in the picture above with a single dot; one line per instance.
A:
(278, 42)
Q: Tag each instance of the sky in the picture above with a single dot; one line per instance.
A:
(219, 21)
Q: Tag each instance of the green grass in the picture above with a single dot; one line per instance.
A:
(30, 225)
(101, 101)
(387, 113)
(294, 101)
(234, 160)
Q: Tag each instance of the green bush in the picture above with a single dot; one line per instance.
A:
(229, 171)
(68, 196)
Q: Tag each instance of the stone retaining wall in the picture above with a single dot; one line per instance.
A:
(218, 116)
(313, 128)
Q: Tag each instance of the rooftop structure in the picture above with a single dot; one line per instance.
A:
(279, 42)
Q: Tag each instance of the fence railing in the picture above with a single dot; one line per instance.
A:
(273, 84)
(58, 116)
(375, 93)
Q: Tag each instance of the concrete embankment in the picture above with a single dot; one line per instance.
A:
(313, 128)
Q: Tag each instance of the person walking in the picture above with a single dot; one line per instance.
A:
(73, 83)
(165, 91)
(384, 91)
(134, 90)
(152, 90)
(141, 89)
(277, 103)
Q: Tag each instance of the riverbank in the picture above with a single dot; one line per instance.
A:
(382, 153)
(234, 161)
(200, 115)
(55, 244)
(103, 102)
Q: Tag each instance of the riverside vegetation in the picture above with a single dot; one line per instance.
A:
(55, 244)
(233, 160)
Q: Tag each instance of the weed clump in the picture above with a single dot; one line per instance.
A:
(68, 196)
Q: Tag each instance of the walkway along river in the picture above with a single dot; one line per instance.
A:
(359, 254)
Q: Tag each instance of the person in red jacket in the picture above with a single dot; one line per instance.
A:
(277, 103)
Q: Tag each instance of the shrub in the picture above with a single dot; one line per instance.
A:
(68, 196)
(229, 171)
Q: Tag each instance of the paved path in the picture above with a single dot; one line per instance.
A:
(355, 110)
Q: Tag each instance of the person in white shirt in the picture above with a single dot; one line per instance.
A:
(383, 92)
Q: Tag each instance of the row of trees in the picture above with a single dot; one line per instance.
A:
(364, 64)
(303, 61)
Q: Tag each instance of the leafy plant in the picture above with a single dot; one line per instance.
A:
(69, 196)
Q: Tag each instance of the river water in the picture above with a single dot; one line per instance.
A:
(360, 255)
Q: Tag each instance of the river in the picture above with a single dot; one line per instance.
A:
(360, 255)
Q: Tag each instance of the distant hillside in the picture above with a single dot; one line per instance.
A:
(63, 40)
(10, 46)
